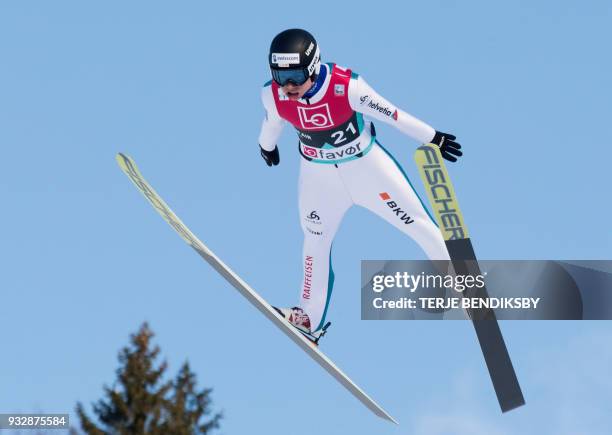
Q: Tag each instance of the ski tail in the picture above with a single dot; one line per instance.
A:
(441, 194)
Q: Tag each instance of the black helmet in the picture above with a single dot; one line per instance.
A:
(294, 57)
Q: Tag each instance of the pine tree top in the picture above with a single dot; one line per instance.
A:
(142, 402)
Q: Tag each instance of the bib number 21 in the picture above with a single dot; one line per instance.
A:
(339, 136)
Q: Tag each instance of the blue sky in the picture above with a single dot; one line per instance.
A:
(525, 87)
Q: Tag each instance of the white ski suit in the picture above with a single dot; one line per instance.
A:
(343, 164)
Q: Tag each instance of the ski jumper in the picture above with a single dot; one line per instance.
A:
(342, 165)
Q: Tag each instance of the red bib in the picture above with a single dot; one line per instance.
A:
(329, 113)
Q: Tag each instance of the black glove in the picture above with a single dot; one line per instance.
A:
(271, 157)
(448, 147)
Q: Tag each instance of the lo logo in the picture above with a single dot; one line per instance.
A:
(317, 117)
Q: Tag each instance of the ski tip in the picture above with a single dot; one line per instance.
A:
(126, 163)
(120, 157)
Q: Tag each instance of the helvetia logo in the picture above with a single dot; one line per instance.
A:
(395, 208)
(382, 109)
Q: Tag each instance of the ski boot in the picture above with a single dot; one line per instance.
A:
(300, 321)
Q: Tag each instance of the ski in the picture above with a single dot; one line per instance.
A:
(442, 196)
(130, 169)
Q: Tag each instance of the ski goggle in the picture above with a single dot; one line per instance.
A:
(296, 76)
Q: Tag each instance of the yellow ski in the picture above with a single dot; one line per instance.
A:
(443, 200)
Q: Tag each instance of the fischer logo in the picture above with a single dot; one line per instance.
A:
(395, 208)
(445, 204)
(315, 117)
(382, 109)
(307, 277)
